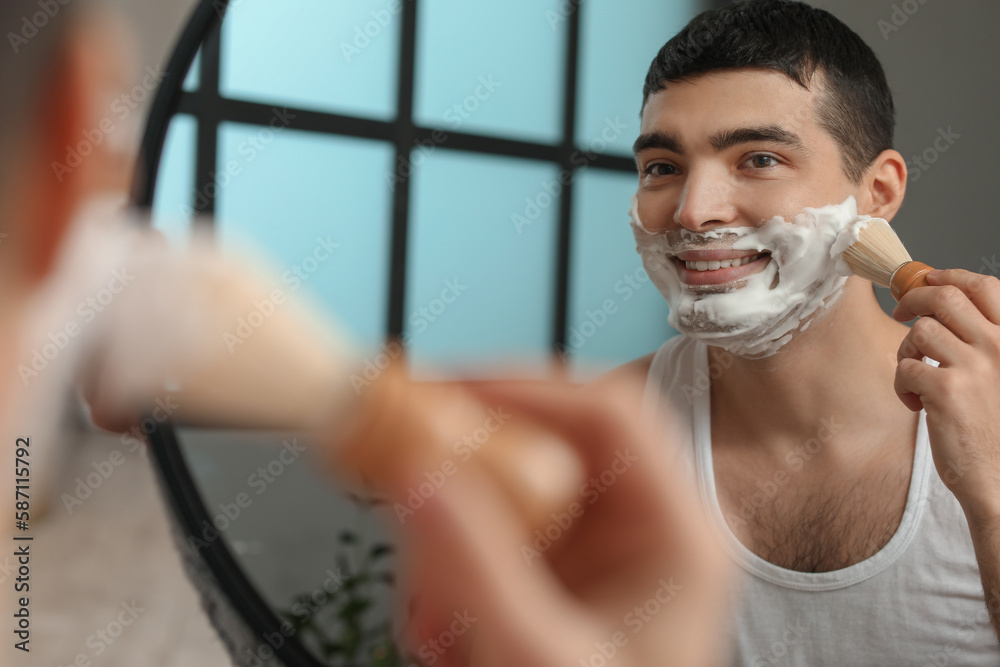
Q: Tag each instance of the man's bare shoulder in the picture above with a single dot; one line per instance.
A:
(634, 371)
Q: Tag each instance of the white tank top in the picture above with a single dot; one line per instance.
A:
(918, 601)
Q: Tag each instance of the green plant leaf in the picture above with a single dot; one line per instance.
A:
(380, 550)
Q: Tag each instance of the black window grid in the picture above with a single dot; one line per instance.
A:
(207, 105)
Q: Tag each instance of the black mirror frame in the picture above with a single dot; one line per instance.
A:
(212, 558)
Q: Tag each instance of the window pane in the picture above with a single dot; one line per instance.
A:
(491, 67)
(193, 78)
(316, 54)
(618, 40)
(480, 286)
(296, 194)
(615, 312)
(173, 201)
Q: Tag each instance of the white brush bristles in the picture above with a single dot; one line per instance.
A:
(877, 253)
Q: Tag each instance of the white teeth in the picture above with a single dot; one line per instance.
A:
(720, 264)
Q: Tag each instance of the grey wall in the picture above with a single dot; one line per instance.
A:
(942, 67)
(156, 23)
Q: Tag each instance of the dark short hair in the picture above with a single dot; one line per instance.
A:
(798, 40)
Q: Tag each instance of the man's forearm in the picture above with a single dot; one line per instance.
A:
(986, 540)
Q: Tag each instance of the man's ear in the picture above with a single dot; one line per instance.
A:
(884, 186)
(63, 163)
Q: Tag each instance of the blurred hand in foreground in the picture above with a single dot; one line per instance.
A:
(627, 573)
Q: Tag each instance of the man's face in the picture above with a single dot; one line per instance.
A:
(733, 149)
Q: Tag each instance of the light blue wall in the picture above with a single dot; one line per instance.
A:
(298, 193)
(615, 313)
(326, 55)
(617, 43)
(174, 200)
(491, 67)
(462, 234)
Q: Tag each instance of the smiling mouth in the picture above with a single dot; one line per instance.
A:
(716, 264)
(718, 267)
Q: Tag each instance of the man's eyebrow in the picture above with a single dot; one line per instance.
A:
(662, 140)
(745, 135)
(722, 140)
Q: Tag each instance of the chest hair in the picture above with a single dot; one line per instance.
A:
(815, 527)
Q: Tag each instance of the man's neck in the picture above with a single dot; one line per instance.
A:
(840, 368)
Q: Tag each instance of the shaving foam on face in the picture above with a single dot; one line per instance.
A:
(845, 240)
(754, 317)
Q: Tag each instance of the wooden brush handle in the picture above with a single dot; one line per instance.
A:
(909, 276)
(408, 438)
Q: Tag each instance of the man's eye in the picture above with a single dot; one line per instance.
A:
(660, 169)
(761, 161)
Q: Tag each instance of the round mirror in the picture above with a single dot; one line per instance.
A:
(452, 176)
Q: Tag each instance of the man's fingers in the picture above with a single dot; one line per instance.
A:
(950, 306)
(590, 422)
(913, 380)
(468, 543)
(982, 291)
(930, 338)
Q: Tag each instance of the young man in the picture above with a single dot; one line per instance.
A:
(813, 430)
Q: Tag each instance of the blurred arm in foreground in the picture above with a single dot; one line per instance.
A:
(639, 545)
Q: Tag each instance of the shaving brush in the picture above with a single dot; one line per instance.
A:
(405, 438)
(879, 256)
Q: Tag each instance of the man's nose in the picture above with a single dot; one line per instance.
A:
(706, 201)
